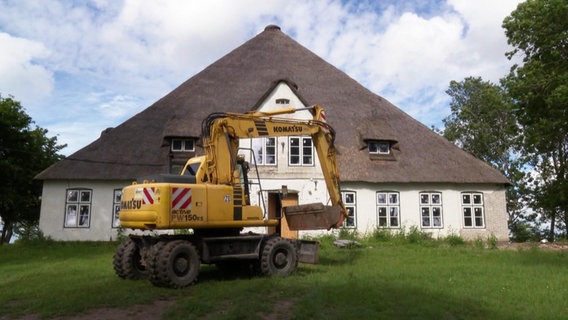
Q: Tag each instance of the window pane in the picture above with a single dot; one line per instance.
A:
(270, 151)
(383, 148)
(425, 217)
(188, 144)
(393, 198)
(436, 198)
(477, 199)
(71, 216)
(467, 217)
(117, 195)
(382, 211)
(436, 217)
(466, 199)
(424, 198)
(72, 195)
(256, 146)
(85, 196)
(381, 198)
(115, 217)
(394, 216)
(351, 216)
(307, 150)
(478, 212)
(373, 147)
(176, 145)
(84, 216)
(349, 198)
(478, 217)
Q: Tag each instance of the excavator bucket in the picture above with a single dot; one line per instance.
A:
(312, 216)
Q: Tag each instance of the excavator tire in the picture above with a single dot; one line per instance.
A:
(279, 257)
(176, 265)
(127, 261)
(152, 263)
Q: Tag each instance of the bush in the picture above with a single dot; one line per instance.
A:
(382, 235)
(30, 234)
(454, 240)
(492, 241)
(523, 232)
(415, 235)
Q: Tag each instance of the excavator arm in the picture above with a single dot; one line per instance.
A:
(221, 133)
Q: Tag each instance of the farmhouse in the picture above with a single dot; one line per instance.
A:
(396, 173)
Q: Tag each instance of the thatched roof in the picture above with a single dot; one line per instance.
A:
(239, 81)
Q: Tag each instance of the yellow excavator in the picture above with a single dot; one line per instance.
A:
(211, 199)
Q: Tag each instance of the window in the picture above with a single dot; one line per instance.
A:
(472, 206)
(181, 145)
(78, 208)
(301, 151)
(117, 193)
(431, 209)
(264, 150)
(379, 147)
(282, 101)
(350, 202)
(388, 209)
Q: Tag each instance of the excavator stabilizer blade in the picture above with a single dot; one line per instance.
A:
(312, 216)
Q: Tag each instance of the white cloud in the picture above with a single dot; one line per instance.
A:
(20, 75)
(111, 59)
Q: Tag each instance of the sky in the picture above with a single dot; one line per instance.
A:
(78, 67)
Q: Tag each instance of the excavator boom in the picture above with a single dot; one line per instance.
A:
(221, 132)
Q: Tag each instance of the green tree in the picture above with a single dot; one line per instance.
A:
(24, 152)
(482, 122)
(538, 32)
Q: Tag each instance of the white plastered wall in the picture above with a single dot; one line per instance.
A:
(52, 216)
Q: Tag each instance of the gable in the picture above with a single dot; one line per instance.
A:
(283, 96)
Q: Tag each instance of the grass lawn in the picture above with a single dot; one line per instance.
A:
(381, 280)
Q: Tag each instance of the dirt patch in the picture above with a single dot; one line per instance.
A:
(135, 312)
(550, 246)
(280, 311)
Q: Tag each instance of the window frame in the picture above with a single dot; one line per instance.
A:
(183, 145)
(374, 147)
(431, 206)
(82, 207)
(349, 199)
(384, 209)
(263, 148)
(301, 152)
(472, 206)
(116, 195)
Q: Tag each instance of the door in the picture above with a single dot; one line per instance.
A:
(276, 201)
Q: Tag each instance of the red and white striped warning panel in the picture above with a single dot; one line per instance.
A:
(148, 195)
(181, 198)
(323, 117)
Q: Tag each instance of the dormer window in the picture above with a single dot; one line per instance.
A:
(282, 101)
(379, 147)
(183, 145)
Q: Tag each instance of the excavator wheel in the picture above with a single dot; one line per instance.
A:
(152, 263)
(279, 257)
(175, 264)
(127, 261)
